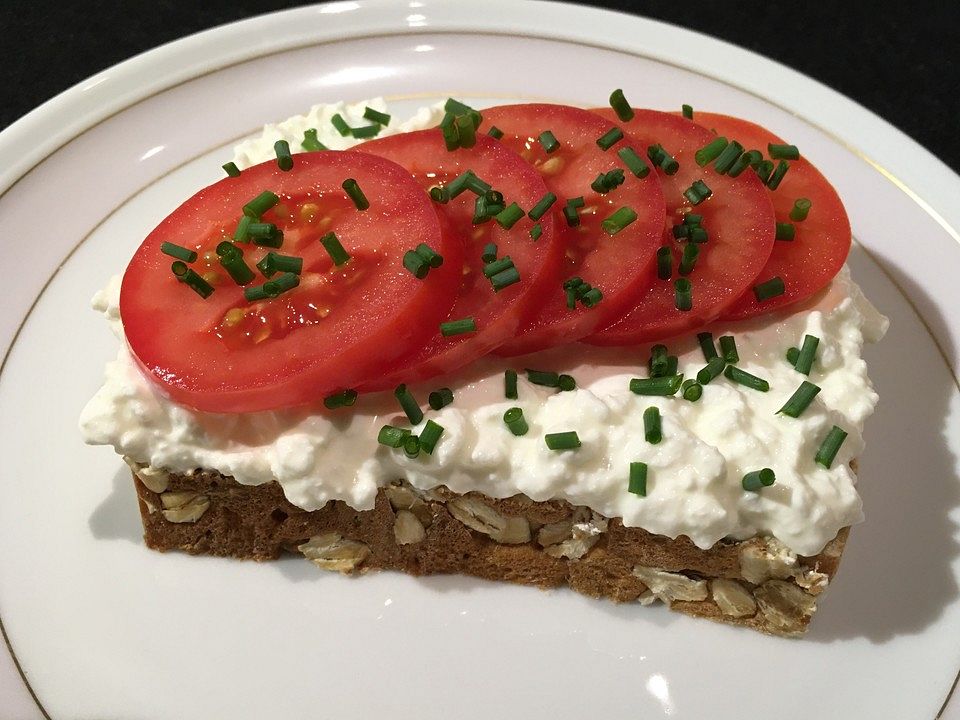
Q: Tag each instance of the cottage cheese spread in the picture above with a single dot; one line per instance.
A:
(694, 472)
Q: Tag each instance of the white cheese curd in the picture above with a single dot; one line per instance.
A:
(695, 472)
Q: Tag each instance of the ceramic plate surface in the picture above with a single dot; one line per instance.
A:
(103, 628)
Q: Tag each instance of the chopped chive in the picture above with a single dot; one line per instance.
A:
(342, 399)
(275, 263)
(331, 243)
(638, 479)
(748, 159)
(576, 202)
(544, 204)
(618, 221)
(414, 262)
(429, 255)
(801, 207)
(662, 159)
(543, 377)
(620, 105)
(430, 435)
(495, 132)
(688, 259)
(705, 340)
(692, 219)
(231, 258)
(567, 383)
(477, 185)
(392, 436)
(497, 266)
(697, 192)
(800, 400)
(367, 131)
(691, 390)
(178, 252)
(265, 234)
(459, 184)
(549, 141)
(243, 229)
(713, 368)
(634, 162)
(466, 131)
(658, 361)
(562, 440)
(728, 349)
(260, 204)
(652, 429)
(698, 234)
(664, 263)
(356, 194)
(440, 398)
(448, 128)
(515, 422)
(710, 152)
(680, 231)
(509, 216)
(191, 279)
(731, 153)
(571, 296)
(458, 327)
(777, 177)
(827, 452)
(783, 152)
(505, 279)
(683, 294)
(591, 297)
(408, 403)
(571, 215)
(758, 479)
(231, 169)
(793, 354)
(284, 159)
(573, 282)
(489, 253)
(656, 386)
(769, 289)
(807, 353)
(536, 231)
(607, 181)
(458, 108)
(672, 363)
(255, 293)
(687, 111)
(376, 116)
(510, 384)
(281, 284)
(785, 231)
(340, 124)
(610, 138)
(310, 142)
(411, 446)
(763, 169)
(742, 377)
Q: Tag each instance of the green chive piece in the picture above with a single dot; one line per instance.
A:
(427, 253)
(697, 192)
(275, 263)
(800, 210)
(265, 234)
(785, 231)
(610, 138)
(243, 229)
(505, 279)
(497, 266)
(439, 399)
(658, 361)
(495, 132)
(260, 204)
(255, 294)
(691, 390)
(411, 446)
(807, 353)
(284, 159)
(543, 377)
(672, 364)
(573, 282)
(638, 479)
(827, 452)
(178, 252)
(458, 327)
(430, 435)
(478, 186)
(191, 279)
(408, 403)
(231, 258)
(331, 243)
(510, 384)
(710, 152)
(562, 440)
(728, 349)
(571, 296)
(231, 169)
(714, 367)
(688, 259)
(310, 142)
(577, 202)
(777, 177)
(618, 221)
(466, 131)
(742, 377)
(448, 128)
(662, 159)
(748, 159)
(489, 253)
(548, 141)
(509, 216)
(731, 153)
(341, 125)
(687, 111)
(281, 284)
(664, 263)
(758, 479)
(783, 152)
(683, 294)
(342, 399)
(634, 162)
(536, 231)
(698, 235)
(414, 262)
(392, 436)
(571, 215)
(567, 383)
(705, 340)
(793, 354)
(800, 400)
(376, 116)
(591, 297)
(458, 108)
(544, 204)
(607, 181)
(515, 422)
(367, 131)
(769, 289)
(652, 429)
(656, 386)
(764, 169)
(620, 106)
(680, 231)
(356, 194)
(692, 219)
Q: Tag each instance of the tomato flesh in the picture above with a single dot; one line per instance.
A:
(338, 328)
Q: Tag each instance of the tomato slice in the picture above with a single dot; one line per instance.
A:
(497, 314)
(339, 327)
(738, 218)
(821, 242)
(621, 266)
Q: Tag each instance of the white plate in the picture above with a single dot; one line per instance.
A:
(103, 627)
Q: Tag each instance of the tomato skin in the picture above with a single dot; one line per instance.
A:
(822, 241)
(738, 218)
(173, 332)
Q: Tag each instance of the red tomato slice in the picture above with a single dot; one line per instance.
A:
(821, 242)
(338, 328)
(497, 314)
(621, 266)
(738, 218)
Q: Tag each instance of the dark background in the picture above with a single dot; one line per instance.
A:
(902, 63)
